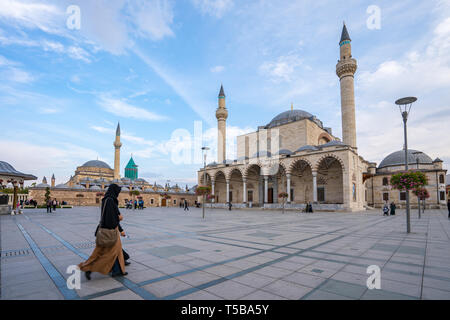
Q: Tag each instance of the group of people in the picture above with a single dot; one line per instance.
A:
(389, 209)
(136, 204)
(52, 204)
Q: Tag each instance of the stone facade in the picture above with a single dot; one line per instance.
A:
(297, 155)
(93, 198)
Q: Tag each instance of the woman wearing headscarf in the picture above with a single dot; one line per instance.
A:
(105, 260)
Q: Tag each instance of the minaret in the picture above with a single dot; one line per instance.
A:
(221, 115)
(53, 181)
(345, 70)
(117, 145)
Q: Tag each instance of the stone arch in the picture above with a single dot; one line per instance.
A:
(330, 168)
(324, 138)
(254, 183)
(219, 172)
(250, 166)
(231, 170)
(220, 186)
(208, 178)
(236, 182)
(328, 155)
(301, 181)
(296, 161)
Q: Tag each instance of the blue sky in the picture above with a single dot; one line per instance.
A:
(156, 66)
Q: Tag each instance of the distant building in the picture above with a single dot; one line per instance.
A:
(90, 181)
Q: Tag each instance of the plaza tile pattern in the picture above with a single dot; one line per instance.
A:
(242, 255)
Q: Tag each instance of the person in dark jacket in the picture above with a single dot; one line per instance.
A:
(393, 207)
(49, 206)
(186, 205)
(448, 207)
(108, 260)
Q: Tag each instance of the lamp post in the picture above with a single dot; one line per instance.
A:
(204, 149)
(418, 198)
(404, 105)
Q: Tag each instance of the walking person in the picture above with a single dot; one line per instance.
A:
(107, 259)
(54, 203)
(229, 205)
(385, 210)
(186, 205)
(448, 207)
(49, 206)
(393, 208)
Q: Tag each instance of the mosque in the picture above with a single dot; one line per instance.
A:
(297, 155)
(90, 181)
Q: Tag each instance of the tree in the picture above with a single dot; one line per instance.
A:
(47, 194)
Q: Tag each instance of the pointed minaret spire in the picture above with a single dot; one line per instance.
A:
(117, 146)
(222, 92)
(118, 130)
(345, 36)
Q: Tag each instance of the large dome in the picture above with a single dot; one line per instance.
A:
(96, 164)
(292, 116)
(398, 158)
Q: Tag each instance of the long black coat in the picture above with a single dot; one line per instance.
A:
(110, 205)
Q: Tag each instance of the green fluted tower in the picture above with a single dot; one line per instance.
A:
(131, 170)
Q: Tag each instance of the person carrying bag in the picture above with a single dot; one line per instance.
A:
(106, 237)
(107, 256)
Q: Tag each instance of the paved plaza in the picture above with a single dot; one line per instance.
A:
(244, 255)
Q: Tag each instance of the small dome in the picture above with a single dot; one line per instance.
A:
(292, 116)
(398, 158)
(262, 154)
(97, 164)
(125, 189)
(284, 152)
(78, 187)
(332, 144)
(212, 164)
(307, 148)
(43, 185)
(62, 186)
(95, 188)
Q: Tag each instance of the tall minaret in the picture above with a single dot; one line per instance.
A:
(53, 181)
(221, 115)
(345, 70)
(117, 145)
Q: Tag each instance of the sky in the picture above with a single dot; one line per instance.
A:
(71, 70)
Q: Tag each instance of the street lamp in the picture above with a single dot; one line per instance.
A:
(404, 105)
(417, 162)
(204, 149)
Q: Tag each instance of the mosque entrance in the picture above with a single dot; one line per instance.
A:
(163, 203)
(270, 196)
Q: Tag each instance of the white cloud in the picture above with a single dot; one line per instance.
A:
(58, 159)
(215, 8)
(11, 72)
(123, 109)
(423, 73)
(29, 14)
(152, 18)
(217, 69)
(281, 70)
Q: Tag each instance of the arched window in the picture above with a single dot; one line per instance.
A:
(441, 179)
(385, 181)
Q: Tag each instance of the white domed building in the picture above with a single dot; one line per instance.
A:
(295, 154)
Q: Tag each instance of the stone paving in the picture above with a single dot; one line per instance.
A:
(242, 255)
